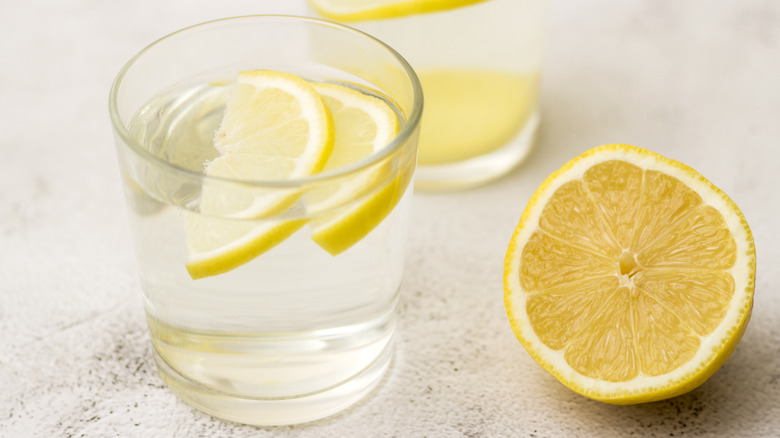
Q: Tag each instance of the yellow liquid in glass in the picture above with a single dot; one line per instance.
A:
(469, 113)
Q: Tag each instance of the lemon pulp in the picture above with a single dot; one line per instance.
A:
(630, 278)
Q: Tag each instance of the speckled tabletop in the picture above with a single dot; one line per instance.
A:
(698, 81)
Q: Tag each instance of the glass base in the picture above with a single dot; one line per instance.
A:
(277, 411)
(482, 169)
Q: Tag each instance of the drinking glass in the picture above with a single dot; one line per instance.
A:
(479, 62)
(294, 334)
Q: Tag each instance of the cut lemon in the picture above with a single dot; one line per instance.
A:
(216, 246)
(363, 124)
(275, 127)
(630, 276)
(358, 10)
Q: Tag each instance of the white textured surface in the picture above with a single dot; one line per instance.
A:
(698, 81)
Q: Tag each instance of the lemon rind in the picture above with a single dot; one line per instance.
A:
(334, 11)
(239, 252)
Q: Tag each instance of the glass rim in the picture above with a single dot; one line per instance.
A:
(400, 139)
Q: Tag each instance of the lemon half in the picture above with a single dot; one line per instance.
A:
(630, 277)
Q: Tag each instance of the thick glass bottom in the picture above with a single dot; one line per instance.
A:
(482, 169)
(277, 411)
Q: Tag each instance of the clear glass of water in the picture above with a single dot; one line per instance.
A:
(479, 62)
(295, 334)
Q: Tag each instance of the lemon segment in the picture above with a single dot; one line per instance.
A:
(339, 232)
(630, 277)
(359, 10)
(472, 112)
(275, 127)
(363, 124)
(217, 246)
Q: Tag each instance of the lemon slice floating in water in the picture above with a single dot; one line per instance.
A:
(630, 276)
(275, 127)
(357, 10)
(363, 124)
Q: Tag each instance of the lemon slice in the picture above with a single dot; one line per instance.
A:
(358, 10)
(363, 124)
(275, 127)
(216, 246)
(630, 276)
